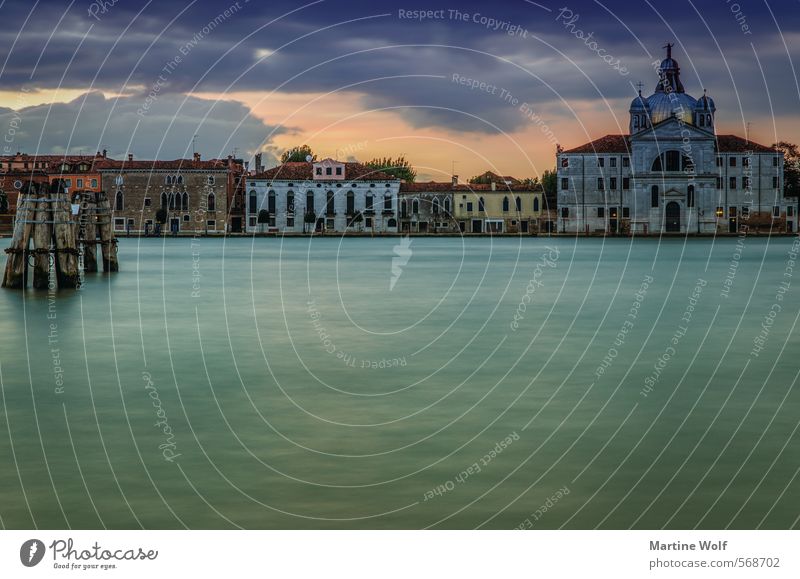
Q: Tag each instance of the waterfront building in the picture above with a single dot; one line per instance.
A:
(496, 208)
(320, 196)
(672, 173)
(193, 193)
(427, 208)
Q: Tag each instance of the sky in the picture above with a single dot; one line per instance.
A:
(459, 87)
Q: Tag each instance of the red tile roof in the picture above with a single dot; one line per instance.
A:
(177, 164)
(734, 144)
(607, 144)
(302, 171)
(434, 186)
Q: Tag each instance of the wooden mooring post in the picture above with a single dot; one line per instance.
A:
(44, 216)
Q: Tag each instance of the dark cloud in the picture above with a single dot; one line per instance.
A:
(532, 52)
(163, 130)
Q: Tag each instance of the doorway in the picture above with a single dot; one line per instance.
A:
(672, 215)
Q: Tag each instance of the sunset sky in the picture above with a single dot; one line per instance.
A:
(356, 80)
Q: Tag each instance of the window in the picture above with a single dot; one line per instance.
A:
(211, 202)
(719, 161)
(536, 204)
(328, 171)
(565, 162)
(251, 222)
(368, 222)
(612, 161)
(310, 202)
(745, 211)
(147, 202)
(719, 182)
(210, 179)
(290, 203)
(167, 180)
(68, 182)
(186, 218)
(654, 196)
(746, 182)
(671, 161)
(635, 121)
(351, 203)
(690, 196)
(79, 184)
(600, 184)
(519, 204)
(119, 204)
(253, 202)
(164, 200)
(329, 208)
(119, 224)
(775, 161)
(94, 183)
(290, 222)
(776, 211)
(732, 161)
(626, 161)
(789, 210)
(601, 162)
(338, 170)
(719, 212)
(613, 183)
(626, 212)
(387, 202)
(180, 179)
(185, 202)
(369, 202)
(564, 183)
(319, 170)
(626, 183)
(415, 206)
(505, 204)
(733, 181)
(601, 212)
(565, 212)
(745, 161)
(435, 206)
(481, 205)
(731, 211)
(211, 225)
(702, 120)
(774, 182)
(469, 207)
(271, 203)
(118, 180)
(447, 205)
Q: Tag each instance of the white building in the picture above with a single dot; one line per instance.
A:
(672, 173)
(340, 196)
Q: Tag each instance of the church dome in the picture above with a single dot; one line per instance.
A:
(663, 106)
(706, 103)
(639, 104)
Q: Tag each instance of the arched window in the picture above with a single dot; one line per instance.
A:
(185, 201)
(309, 202)
(702, 120)
(415, 206)
(387, 204)
(212, 202)
(329, 203)
(519, 204)
(635, 121)
(481, 204)
(119, 204)
(447, 205)
(392, 222)
(164, 200)
(505, 204)
(180, 179)
(166, 179)
(672, 161)
(351, 203)
(690, 196)
(536, 204)
(403, 208)
(271, 203)
(211, 179)
(252, 202)
(654, 196)
(290, 202)
(435, 206)
(172, 201)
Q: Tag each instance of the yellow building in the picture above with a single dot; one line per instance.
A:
(498, 208)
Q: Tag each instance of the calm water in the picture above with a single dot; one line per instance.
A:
(267, 383)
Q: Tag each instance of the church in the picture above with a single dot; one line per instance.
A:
(672, 173)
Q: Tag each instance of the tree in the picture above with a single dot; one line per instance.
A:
(398, 168)
(297, 154)
(532, 182)
(485, 179)
(550, 182)
(309, 218)
(791, 167)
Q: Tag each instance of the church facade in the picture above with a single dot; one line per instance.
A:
(672, 173)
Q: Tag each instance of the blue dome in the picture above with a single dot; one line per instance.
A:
(639, 104)
(663, 106)
(706, 103)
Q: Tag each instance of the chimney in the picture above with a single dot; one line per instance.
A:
(130, 156)
(455, 179)
(494, 186)
(104, 153)
(197, 156)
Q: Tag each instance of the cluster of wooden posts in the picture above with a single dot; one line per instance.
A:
(63, 245)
